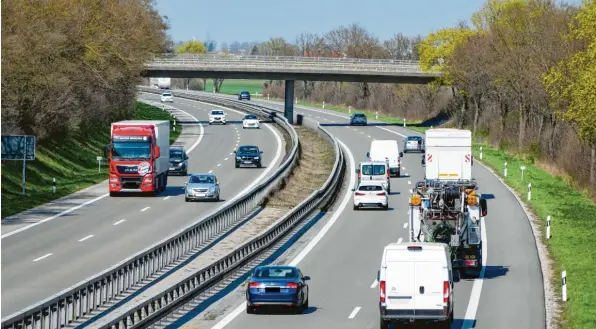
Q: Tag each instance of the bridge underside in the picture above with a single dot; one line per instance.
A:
(405, 78)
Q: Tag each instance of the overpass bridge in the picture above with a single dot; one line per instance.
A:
(289, 69)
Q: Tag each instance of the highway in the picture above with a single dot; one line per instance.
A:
(45, 259)
(344, 263)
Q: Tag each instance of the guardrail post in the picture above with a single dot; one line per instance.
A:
(289, 97)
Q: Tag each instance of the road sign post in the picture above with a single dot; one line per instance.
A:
(99, 163)
(19, 147)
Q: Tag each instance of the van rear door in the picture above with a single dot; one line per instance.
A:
(400, 279)
(429, 283)
(375, 172)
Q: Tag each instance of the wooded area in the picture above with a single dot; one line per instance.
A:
(71, 67)
(521, 75)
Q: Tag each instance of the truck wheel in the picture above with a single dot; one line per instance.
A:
(250, 310)
(186, 199)
(355, 207)
(384, 324)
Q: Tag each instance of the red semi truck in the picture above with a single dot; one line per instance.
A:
(138, 156)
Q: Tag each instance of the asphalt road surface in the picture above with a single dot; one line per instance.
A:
(50, 257)
(344, 263)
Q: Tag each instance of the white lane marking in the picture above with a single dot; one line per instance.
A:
(362, 132)
(407, 175)
(474, 300)
(145, 208)
(219, 164)
(369, 136)
(42, 257)
(119, 222)
(405, 225)
(210, 171)
(409, 182)
(167, 197)
(86, 203)
(86, 238)
(231, 153)
(404, 168)
(400, 240)
(354, 312)
(226, 159)
(347, 196)
(374, 284)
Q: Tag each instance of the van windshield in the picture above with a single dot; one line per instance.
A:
(368, 170)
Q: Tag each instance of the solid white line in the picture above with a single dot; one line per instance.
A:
(374, 284)
(400, 240)
(42, 257)
(354, 312)
(86, 238)
(145, 208)
(347, 196)
(167, 197)
(119, 222)
(219, 164)
(405, 225)
(474, 300)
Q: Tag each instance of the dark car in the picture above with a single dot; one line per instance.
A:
(414, 143)
(248, 155)
(358, 119)
(243, 95)
(277, 285)
(178, 161)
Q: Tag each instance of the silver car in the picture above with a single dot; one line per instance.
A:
(202, 187)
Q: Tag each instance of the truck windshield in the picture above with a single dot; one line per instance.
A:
(373, 170)
(131, 151)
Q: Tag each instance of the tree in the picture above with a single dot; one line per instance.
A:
(401, 47)
(254, 51)
(224, 47)
(571, 83)
(192, 47)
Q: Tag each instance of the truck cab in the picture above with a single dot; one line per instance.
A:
(375, 171)
(416, 284)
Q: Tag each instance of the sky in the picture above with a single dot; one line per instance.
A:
(259, 20)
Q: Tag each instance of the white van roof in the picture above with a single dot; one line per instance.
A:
(448, 132)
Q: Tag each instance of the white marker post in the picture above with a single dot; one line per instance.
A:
(377, 115)
(564, 286)
(323, 104)
(296, 100)
(99, 163)
(529, 191)
(480, 152)
(267, 96)
(522, 169)
(505, 169)
(404, 122)
(547, 227)
(174, 124)
(54, 185)
(349, 109)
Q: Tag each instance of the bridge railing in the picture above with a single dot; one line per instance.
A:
(287, 58)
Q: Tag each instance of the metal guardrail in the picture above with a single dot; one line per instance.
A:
(286, 58)
(101, 289)
(153, 309)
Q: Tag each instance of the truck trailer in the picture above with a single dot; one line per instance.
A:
(138, 156)
(446, 207)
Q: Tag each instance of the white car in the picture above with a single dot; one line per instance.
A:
(217, 116)
(250, 121)
(167, 97)
(371, 194)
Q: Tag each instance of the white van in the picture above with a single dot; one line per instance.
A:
(416, 284)
(448, 154)
(375, 171)
(386, 150)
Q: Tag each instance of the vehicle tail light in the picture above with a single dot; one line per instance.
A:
(445, 291)
(292, 285)
(254, 285)
(382, 296)
(387, 172)
(382, 193)
(415, 248)
(358, 193)
(484, 212)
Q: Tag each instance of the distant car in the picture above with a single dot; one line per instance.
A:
(178, 161)
(358, 119)
(244, 95)
(370, 194)
(250, 121)
(202, 187)
(167, 97)
(277, 285)
(414, 143)
(217, 116)
(248, 155)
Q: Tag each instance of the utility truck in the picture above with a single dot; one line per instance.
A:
(138, 156)
(446, 207)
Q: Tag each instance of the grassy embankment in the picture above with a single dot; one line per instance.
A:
(233, 87)
(72, 162)
(573, 225)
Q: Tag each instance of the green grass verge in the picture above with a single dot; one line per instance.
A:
(233, 87)
(573, 224)
(72, 162)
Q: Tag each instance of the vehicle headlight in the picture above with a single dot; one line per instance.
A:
(238, 158)
(180, 164)
(212, 189)
(257, 158)
(188, 189)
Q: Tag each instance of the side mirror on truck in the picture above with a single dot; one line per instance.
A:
(401, 154)
(157, 152)
(368, 154)
(357, 170)
(483, 207)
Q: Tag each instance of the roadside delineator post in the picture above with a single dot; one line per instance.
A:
(480, 152)
(99, 163)
(547, 227)
(323, 104)
(564, 286)
(505, 169)
(377, 115)
(350, 109)
(54, 185)
(404, 122)
(296, 101)
(529, 191)
(522, 170)
(267, 96)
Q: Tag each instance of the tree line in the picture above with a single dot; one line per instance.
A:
(71, 67)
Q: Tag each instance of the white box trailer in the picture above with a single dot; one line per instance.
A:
(448, 154)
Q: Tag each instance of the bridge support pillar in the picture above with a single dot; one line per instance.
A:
(289, 101)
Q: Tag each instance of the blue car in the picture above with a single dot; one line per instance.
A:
(358, 119)
(275, 285)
